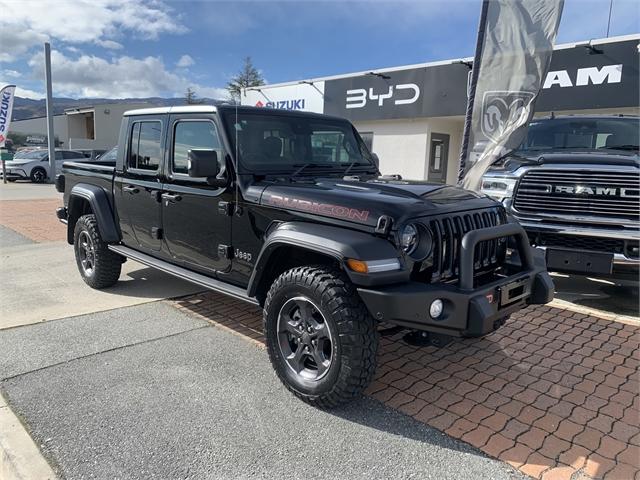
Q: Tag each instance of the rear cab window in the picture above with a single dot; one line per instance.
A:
(145, 146)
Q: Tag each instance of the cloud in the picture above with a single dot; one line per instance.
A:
(16, 41)
(110, 44)
(26, 93)
(27, 23)
(185, 61)
(11, 74)
(120, 77)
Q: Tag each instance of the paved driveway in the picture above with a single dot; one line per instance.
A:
(152, 392)
(553, 393)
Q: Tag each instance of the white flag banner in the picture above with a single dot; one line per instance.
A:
(6, 107)
(515, 43)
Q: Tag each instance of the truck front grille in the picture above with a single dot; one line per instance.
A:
(447, 236)
(598, 244)
(613, 195)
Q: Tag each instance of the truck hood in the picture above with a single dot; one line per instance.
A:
(573, 157)
(365, 201)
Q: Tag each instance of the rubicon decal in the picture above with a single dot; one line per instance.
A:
(319, 208)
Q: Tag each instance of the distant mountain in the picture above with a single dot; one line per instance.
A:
(24, 108)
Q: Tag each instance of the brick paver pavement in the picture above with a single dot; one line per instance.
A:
(553, 393)
(35, 219)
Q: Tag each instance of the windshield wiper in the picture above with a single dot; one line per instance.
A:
(623, 147)
(303, 166)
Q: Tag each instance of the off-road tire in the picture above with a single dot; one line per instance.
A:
(107, 264)
(36, 178)
(354, 334)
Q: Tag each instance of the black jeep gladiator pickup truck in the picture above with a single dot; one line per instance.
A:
(574, 185)
(288, 210)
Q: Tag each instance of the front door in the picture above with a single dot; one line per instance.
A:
(196, 227)
(138, 188)
(438, 158)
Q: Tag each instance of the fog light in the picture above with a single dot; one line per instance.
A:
(436, 308)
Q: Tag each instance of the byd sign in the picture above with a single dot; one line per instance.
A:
(403, 94)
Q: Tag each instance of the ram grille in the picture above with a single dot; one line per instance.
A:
(604, 194)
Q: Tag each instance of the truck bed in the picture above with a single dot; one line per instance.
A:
(98, 173)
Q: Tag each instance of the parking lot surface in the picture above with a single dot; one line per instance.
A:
(553, 393)
(151, 392)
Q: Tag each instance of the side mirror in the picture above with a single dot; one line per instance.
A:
(376, 159)
(204, 164)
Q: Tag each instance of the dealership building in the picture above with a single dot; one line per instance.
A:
(413, 116)
(94, 127)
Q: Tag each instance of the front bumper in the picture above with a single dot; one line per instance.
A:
(17, 173)
(468, 311)
(623, 263)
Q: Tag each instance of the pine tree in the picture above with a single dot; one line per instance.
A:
(191, 98)
(249, 76)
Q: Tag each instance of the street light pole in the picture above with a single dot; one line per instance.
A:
(50, 132)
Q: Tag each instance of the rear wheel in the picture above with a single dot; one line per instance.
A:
(99, 267)
(38, 175)
(322, 341)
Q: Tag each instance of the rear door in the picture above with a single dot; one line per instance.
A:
(196, 227)
(139, 186)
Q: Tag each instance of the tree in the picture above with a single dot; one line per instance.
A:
(191, 98)
(249, 76)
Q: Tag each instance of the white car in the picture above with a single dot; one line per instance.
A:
(34, 165)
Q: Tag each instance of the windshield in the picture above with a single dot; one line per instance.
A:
(110, 156)
(589, 133)
(32, 155)
(270, 143)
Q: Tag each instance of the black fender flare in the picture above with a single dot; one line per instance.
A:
(335, 242)
(100, 205)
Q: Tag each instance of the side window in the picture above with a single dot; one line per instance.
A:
(192, 135)
(145, 151)
(69, 155)
(58, 155)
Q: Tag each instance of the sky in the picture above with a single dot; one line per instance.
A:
(143, 48)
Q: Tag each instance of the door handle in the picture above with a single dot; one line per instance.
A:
(171, 198)
(131, 189)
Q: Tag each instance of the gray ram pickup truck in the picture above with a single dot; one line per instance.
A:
(574, 185)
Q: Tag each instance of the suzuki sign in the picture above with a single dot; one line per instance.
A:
(306, 97)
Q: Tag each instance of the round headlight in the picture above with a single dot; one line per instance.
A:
(409, 238)
(417, 241)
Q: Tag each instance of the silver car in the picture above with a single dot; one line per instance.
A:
(34, 165)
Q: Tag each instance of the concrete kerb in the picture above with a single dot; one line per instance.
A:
(20, 458)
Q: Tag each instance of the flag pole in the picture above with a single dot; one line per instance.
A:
(50, 132)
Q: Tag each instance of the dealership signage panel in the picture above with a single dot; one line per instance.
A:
(307, 97)
(578, 79)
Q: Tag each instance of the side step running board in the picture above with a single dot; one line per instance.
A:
(183, 273)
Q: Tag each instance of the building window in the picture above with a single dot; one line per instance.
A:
(145, 151)
(192, 135)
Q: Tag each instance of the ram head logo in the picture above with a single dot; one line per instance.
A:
(503, 112)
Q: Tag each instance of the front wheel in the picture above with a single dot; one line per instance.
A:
(99, 267)
(321, 340)
(38, 175)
